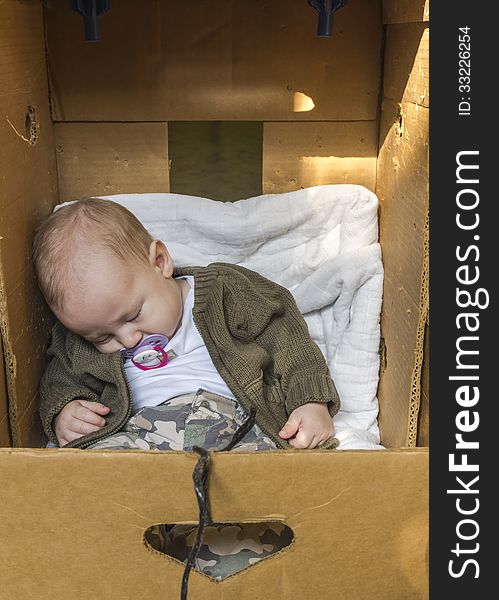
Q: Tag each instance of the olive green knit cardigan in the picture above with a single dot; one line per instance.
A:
(254, 333)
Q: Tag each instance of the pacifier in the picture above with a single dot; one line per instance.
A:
(149, 353)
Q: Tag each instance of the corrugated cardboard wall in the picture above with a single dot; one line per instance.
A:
(317, 99)
(402, 187)
(217, 60)
(369, 505)
(424, 415)
(4, 406)
(27, 193)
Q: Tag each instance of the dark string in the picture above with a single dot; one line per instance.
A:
(200, 478)
(241, 431)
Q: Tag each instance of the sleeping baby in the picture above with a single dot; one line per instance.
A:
(140, 345)
(147, 356)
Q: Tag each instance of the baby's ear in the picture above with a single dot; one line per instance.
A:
(160, 258)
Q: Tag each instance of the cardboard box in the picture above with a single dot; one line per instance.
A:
(85, 119)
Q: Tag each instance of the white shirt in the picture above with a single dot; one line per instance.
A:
(191, 368)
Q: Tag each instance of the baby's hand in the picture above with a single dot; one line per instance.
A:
(308, 426)
(78, 418)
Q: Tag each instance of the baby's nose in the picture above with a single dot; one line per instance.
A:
(131, 340)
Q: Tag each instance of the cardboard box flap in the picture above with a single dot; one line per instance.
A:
(7, 365)
(217, 60)
(85, 513)
(28, 193)
(4, 405)
(402, 188)
(405, 11)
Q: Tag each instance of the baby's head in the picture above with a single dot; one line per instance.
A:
(103, 275)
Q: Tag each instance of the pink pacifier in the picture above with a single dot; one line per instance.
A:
(149, 353)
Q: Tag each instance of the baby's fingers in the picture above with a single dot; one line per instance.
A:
(302, 440)
(95, 407)
(85, 415)
(290, 428)
(77, 428)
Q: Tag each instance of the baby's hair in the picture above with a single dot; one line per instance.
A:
(96, 223)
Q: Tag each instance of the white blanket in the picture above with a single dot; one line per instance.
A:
(322, 244)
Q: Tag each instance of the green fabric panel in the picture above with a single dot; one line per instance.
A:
(221, 160)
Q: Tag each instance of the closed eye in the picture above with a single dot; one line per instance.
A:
(134, 318)
(104, 340)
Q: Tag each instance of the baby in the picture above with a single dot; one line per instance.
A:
(145, 355)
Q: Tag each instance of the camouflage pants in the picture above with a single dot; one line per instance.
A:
(207, 420)
(227, 548)
(201, 419)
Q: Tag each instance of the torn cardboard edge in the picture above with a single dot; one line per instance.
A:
(5, 437)
(415, 393)
(8, 357)
(31, 126)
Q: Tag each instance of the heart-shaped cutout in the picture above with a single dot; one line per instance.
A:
(227, 548)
